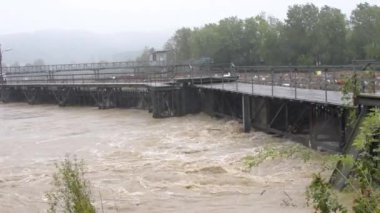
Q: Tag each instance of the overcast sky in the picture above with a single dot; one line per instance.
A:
(110, 16)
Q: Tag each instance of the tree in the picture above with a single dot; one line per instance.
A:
(300, 34)
(38, 62)
(230, 31)
(331, 31)
(205, 42)
(271, 48)
(181, 44)
(145, 55)
(251, 41)
(364, 175)
(15, 64)
(365, 38)
(309, 36)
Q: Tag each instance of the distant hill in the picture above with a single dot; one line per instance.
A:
(77, 46)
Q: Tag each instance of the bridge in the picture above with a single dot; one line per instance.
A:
(301, 102)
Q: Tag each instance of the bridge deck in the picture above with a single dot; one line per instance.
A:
(310, 95)
(369, 99)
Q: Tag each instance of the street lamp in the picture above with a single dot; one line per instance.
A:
(1, 62)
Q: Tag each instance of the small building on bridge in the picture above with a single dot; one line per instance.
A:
(159, 57)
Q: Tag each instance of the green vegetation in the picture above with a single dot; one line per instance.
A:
(319, 193)
(71, 192)
(365, 178)
(308, 36)
(270, 152)
(350, 90)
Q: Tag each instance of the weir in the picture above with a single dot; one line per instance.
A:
(303, 103)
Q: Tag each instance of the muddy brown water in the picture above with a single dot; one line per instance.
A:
(139, 164)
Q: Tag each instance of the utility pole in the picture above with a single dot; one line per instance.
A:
(1, 63)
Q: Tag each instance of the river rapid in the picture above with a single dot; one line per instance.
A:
(139, 164)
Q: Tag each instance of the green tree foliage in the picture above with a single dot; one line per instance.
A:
(331, 33)
(71, 192)
(205, 42)
(271, 45)
(323, 199)
(308, 36)
(365, 37)
(180, 44)
(230, 31)
(300, 34)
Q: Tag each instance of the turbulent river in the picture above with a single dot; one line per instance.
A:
(139, 164)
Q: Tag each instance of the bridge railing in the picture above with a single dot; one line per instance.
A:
(80, 66)
(324, 81)
(80, 78)
(368, 78)
(117, 72)
(321, 78)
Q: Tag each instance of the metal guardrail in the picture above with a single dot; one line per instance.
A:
(115, 72)
(80, 67)
(90, 73)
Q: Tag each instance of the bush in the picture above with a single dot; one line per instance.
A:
(322, 197)
(71, 192)
(273, 152)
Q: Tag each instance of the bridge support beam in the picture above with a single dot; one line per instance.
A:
(190, 100)
(155, 104)
(342, 124)
(246, 103)
(326, 128)
(32, 94)
(174, 101)
(62, 95)
(260, 114)
(36, 94)
(165, 102)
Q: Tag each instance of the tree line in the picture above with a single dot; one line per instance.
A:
(308, 36)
